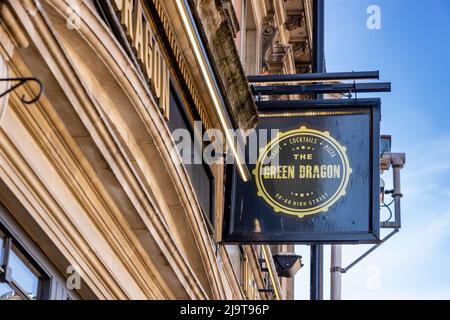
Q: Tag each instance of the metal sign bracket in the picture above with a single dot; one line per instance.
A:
(20, 82)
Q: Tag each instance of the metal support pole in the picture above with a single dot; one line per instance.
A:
(316, 277)
(319, 36)
(397, 161)
(336, 272)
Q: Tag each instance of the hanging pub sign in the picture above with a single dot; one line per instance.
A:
(315, 178)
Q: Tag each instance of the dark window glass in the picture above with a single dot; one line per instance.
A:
(199, 173)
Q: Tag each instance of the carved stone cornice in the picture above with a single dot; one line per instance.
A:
(295, 20)
(275, 58)
(269, 33)
(224, 58)
(105, 162)
(187, 76)
(300, 48)
(232, 19)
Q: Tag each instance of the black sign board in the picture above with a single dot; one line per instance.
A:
(316, 181)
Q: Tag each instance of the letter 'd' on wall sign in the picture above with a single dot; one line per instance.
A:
(315, 181)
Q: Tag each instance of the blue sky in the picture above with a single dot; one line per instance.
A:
(412, 51)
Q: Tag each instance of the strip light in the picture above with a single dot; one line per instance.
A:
(309, 114)
(291, 83)
(200, 56)
(272, 273)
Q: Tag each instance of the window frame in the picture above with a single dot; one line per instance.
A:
(53, 283)
(9, 243)
(210, 217)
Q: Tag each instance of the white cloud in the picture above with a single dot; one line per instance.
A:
(415, 264)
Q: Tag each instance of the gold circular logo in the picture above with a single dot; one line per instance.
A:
(302, 172)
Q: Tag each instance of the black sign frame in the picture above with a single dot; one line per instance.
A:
(372, 236)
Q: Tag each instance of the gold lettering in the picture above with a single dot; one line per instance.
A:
(164, 102)
(273, 172)
(266, 173)
(279, 172)
(148, 44)
(118, 4)
(323, 172)
(308, 174)
(138, 37)
(302, 172)
(290, 172)
(316, 172)
(303, 156)
(320, 172)
(157, 67)
(126, 17)
(138, 30)
(337, 171)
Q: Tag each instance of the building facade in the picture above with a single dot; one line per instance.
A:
(94, 200)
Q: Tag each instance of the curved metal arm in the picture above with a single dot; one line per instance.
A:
(20, 82)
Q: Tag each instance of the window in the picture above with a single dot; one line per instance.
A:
(2, 237)
(250, 286)
(19, 277)
(199, 172)
(249, 39)
(26, 272)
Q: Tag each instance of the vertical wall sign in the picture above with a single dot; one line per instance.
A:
(137, 25)
(315, 181)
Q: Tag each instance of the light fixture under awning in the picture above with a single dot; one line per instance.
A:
(212, 87)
